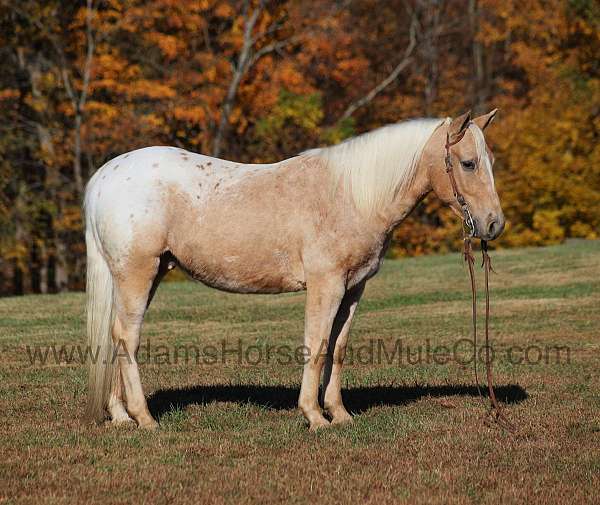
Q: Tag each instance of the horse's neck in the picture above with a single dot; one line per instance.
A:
(405, 201)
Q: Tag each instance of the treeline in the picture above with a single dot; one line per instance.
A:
(259, 81)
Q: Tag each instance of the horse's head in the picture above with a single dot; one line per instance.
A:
(468, 167)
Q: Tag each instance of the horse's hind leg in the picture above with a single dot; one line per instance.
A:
(132, 292)
(116, 404)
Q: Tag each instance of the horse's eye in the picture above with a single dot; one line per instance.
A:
(468, 165)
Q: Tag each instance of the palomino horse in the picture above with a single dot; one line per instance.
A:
(320, 221)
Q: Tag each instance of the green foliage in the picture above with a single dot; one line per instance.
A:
(340, 131)
(588, 10)
(292, 111)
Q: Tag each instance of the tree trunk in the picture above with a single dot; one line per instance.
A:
(61, 271)
(22, 277)
(43, 269)
(478, 91)
(77, 155)
(431, 56)
(239, 70)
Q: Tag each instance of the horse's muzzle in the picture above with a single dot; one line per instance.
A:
(494, 226)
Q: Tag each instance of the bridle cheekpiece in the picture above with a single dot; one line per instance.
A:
(467, 217)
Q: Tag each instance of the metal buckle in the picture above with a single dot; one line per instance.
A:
(468, 220)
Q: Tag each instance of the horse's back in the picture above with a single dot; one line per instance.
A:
(127, 200)
(204, 210)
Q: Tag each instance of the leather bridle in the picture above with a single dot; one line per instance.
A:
(467, 217)
(495, 413)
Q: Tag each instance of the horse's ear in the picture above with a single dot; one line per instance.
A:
(459, 125)
(484, 121)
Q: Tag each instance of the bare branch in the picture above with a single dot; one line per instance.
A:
(249, 56)
(89, 15)
(80, 103)
(405, 61)
(239, 70)
(206, 36)
(58, 49)
(274, 47)
(272, 29)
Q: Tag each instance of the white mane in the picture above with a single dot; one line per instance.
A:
(375, 166)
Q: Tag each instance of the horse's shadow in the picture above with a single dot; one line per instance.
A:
(357, 399)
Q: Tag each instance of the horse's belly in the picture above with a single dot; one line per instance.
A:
(243, 274)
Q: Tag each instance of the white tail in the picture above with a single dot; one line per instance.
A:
(100, 320)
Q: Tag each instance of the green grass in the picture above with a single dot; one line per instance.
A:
(230, 431)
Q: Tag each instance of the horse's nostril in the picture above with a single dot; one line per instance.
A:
(495, 227)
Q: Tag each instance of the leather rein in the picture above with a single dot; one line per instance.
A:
(495, 413)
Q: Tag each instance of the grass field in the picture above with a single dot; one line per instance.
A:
(230, 432)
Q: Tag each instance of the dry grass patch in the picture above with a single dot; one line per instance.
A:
(230, 432)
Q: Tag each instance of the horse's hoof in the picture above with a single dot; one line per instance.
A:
(319, 424)
(121, 420)
(148, 424)
(344, 418)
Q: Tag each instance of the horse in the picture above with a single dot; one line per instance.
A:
(320, 221)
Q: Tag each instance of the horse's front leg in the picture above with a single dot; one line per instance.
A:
(324, 294)
(336, 352)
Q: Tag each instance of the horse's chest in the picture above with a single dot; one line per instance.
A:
(367, 267)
